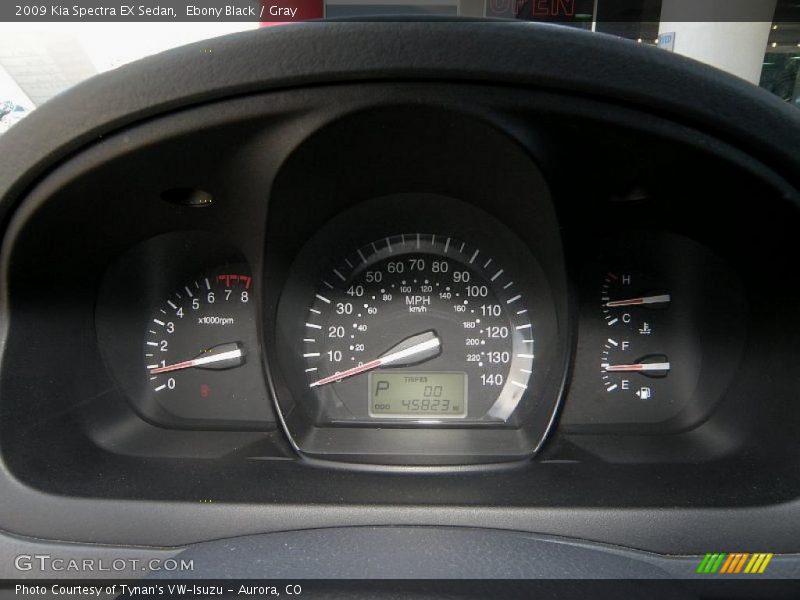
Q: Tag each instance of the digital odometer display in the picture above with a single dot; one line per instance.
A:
(417, 395)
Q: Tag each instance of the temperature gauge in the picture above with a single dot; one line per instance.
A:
(660, 320)
(633, 358)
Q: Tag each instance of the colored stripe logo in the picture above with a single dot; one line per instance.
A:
(731, 564)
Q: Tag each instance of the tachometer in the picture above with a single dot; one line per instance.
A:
(438, 347)
(420, 327)
(200, 351)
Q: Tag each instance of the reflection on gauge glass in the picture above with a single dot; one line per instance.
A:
(419, 327)
(200, 348)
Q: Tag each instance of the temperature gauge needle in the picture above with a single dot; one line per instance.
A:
(412, 350)
(637, 367)
(223, 356)
(659, 299)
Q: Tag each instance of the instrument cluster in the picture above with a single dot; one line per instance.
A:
(435, 335)
(390, 306)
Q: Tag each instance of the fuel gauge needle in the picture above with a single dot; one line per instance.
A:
(223, 356)
(659, 299)
(412, 350)
(637, 367)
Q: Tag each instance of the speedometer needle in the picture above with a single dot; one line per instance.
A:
(223, 356)
(412, 350)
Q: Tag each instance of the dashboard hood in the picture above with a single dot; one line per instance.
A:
(543, 56)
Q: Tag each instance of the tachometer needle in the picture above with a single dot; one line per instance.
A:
(637, 367)
(223, 356)
(412, 350)
(659, 299)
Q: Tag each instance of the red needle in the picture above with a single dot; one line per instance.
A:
(423, 346)
(186, 364)
(662, 298)
(659, 366)
(373, 364)
(223, 356)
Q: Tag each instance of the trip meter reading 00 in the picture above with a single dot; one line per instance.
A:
(418, 327)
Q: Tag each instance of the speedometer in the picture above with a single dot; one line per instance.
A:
(429, 335)
(419, 327)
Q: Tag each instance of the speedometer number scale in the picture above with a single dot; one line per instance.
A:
(418, 327)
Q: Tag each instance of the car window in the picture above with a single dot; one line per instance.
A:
(39, 60)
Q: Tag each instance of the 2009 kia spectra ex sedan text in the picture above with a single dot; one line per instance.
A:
(403, 307)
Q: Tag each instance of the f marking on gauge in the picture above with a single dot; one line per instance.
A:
(632, 359)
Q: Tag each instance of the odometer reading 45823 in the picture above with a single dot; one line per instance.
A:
(417, 308)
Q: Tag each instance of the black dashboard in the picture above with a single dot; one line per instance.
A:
(400, 299)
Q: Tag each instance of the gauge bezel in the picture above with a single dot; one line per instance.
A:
(452, 441)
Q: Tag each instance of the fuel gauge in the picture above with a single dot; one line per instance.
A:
(633, 358)
(660, 326)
